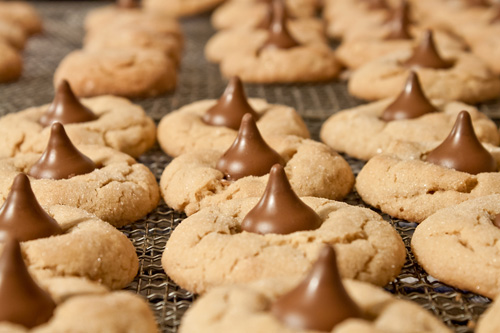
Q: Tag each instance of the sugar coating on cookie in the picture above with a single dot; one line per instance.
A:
(464, 238)
(236, 308)
(402, 184)
(191, 181)
(120, 125)
(124, 72)
(119, 191)
(208, 249)
(184, 131)
(361, 133)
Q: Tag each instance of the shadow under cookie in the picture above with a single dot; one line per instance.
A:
(209, 249)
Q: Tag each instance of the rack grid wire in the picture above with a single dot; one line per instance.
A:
(63, 24)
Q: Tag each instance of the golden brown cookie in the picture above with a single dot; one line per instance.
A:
(489, 321)
(184, 130)
(11, 63)
(119, 191)
(22, 14)
(245, 308)
(225, 43)
(361, 133)
(175, 8)
(124, 72)
(457, 245)
(120, 125)
(250, 13)
(209, 249)
(12, 34)
(191, 181)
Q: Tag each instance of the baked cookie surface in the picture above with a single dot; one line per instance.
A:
(124, 72)
(12, 35)
(120, 125)
(184, 130)
(468, 80)
(209, 249)
(119, 191)
(22, 14)
(246, 309)
(11, 64)
(191, 181)
(457, 245)
(361, 133)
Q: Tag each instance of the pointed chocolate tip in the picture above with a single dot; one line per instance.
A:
(66, 108)
(279, 36)
(496, 221)
(399, 22)
(249, 155)
(426, 54)
(280, 210)
(411, 102)
(320, 301)
(61, 159)
(231, 107)
(22, 217)
(22, 301)
(128, 4)
(462, 150)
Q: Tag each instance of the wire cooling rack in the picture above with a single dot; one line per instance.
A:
(200, 80)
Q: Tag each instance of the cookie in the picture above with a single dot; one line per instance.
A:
(404, 184)
(463, 237)
(488, 323)
(210, 249)
(119, 124)
(251, 13)
(131, 31)
(177, 8)
(123, 72)
(464, 78)
(185, 130)
(11, 63)
(64, 304)
(320, 302)
(12, 34)
(227, 42)
(355, 52)
(362, 132)
(97, 179)
(21, 14)
(193, 181)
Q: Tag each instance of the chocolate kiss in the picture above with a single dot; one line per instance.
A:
(426, 55)
(128, 4)
(279, 36)
(231, 107)
(22, 301)
(249, 154)
(477, 3)
(320, 301)
(66, 108)
(496, 221)
(462, 151)
(280, 210)
(61, 159)
(376, 4)
(22, 217)
(411, 103)
(399, 22)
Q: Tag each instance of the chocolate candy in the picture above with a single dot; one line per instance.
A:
(128, 4)
(231, 107)
(61, 159)
(477, 3)
(376, 4)
(462, 151)
(22, 301)
(496, 221)
(400, 22)
(280, 210)
(320, 301)
(249, 154)
(411, 102)
(66, 108)
(426, 55)
(22, 217)
(279, 36)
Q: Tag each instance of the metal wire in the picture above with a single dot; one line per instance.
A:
(200, 80)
